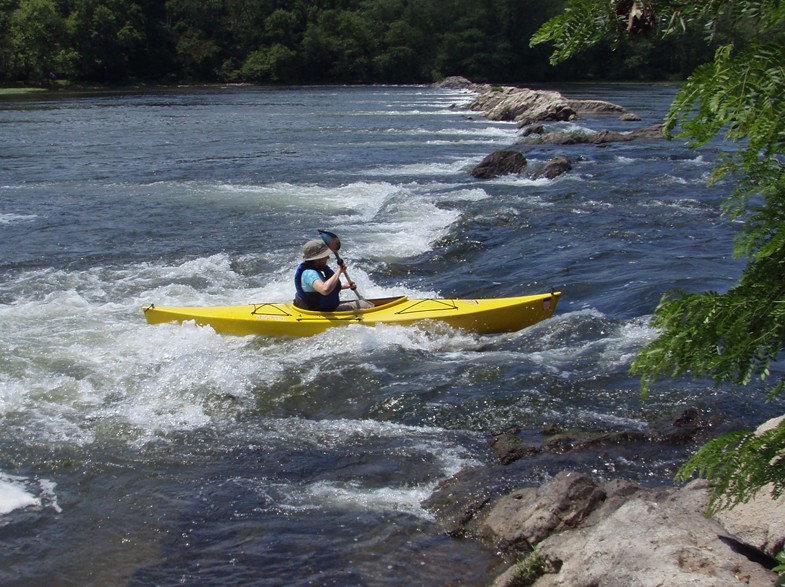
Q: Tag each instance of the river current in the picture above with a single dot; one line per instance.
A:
(137, 455)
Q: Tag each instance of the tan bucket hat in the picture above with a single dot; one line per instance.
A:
(315, 249)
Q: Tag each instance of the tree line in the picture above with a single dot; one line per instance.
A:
(310, 42)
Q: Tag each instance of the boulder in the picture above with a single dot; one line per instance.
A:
(582, 136)
(760, 522)
(527, 516)
(656, 537)
(595, 107)
(509, 446)
(454, 82)
(521, 105)
(554, 168)
(502, 162)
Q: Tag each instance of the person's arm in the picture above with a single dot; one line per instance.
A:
(325, 287)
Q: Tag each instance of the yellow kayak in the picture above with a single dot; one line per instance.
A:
(483, 316)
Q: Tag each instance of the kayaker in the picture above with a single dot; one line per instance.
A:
(318, 286)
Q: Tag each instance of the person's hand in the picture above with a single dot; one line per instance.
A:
(352, 286)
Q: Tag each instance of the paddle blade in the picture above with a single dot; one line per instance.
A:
(331, 240)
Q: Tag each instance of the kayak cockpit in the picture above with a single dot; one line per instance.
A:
(378, 304)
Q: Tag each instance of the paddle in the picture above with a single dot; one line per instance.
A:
(334, 244)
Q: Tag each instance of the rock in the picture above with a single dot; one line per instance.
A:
(498, 163)
(761, 521)
(649, 132)
(618, 533)
(454, 82)
(509, 447)
(527, 516)
(683, 428)
(653, 538)
(457, 501)
(521, 105)
(554, 168)
(533, 129)
(630, 117)
(582, 136)
(594, 107)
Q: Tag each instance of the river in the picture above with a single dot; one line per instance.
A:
(135, 455)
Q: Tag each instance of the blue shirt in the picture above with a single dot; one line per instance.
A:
(307, 279)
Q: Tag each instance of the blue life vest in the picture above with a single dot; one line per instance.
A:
(314, 300)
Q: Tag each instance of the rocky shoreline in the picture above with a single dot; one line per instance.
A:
(571, 524)
(577, 530)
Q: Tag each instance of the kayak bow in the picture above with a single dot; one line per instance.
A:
(484, 316)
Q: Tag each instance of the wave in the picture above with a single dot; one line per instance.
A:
(18, 492)
(17, 218)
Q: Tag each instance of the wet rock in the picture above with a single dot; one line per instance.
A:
(682, 428)
(582, 136)
(629, 117)
(527, 516)
(509, 446)
(533, 129)
(502, 162)
(458, 501)
(554, 168)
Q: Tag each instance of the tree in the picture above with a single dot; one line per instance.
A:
(736, 336)
(274, 64)
(36, 35)
(104, 37)
(338, 47)
(199, 36)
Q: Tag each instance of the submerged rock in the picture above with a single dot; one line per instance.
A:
(554, 168)
(583, 136)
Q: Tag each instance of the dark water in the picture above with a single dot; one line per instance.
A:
(137, 455)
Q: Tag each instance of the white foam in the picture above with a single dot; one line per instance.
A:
(398, 499)
(80, 362)
(17, 218)
(13, 495)
(397, 495)
(16, 494)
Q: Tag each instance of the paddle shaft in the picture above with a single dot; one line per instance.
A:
(334, 243)
(346, 274)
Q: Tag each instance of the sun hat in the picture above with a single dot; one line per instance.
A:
(315, 249)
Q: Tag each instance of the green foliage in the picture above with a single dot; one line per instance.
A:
(781, 567)
(736, 336)
(739, 465)
(269, 65)
(299, 41)
(582, 24)
(527, 570)
(36, 36)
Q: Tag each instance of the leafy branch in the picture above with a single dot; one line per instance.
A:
(736, 336)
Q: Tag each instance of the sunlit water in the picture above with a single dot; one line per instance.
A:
(133, 454)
